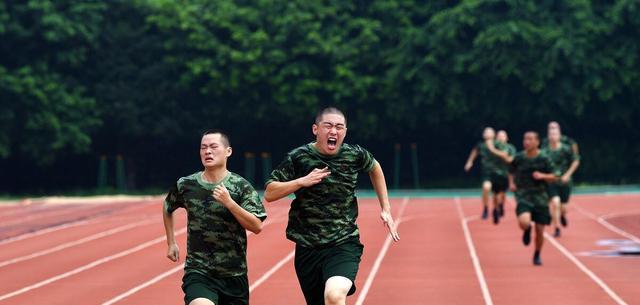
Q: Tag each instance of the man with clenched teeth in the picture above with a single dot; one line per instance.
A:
(322, 219)
(220, 206)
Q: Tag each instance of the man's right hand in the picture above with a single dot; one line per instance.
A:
(467, 167)
(314, 177)
(173, 252)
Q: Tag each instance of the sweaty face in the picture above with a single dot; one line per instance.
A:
(488, 133)
(530, 141)
(213, 152)
(330, 133)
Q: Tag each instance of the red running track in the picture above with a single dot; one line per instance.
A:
(115, 254)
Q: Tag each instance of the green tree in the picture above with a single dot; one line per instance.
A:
(45, 109)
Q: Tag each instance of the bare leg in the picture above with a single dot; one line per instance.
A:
(554, 207)
(201, 301)
(336, 289)
(486, 189)
(539, 242)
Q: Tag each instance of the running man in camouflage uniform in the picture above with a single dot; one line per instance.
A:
(220, 206)
(564, 162)
(531, 171)
(500, 181)
(322, 219)
(490, 177)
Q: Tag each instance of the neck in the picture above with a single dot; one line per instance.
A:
(532, 152)
(554, 144)
(214, 175)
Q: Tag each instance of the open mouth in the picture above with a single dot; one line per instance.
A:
(332, 143)
(208, 159)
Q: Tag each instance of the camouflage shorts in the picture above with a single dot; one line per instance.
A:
(535, 202)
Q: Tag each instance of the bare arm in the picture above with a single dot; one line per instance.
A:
(472, 157)
(173, 252)
(572, 169)
(380, 186)
(512, 184)
(544, 176)
(277, 190)
(247, 220)
(502, 154)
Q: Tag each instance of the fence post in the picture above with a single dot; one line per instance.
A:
(396, 167)
(414, 160)
(121, 177)
(102, 172)
(249, 167)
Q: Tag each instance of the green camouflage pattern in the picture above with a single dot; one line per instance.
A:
(502, 167)
(325, 213)
(561, 158)
(489, 162)
(216, 242)
(528, 189)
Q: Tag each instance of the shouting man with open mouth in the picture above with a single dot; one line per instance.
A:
(322, 220)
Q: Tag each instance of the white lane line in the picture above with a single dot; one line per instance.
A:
(472, 252)
(584, 269)
(43, 231)
(144, 285)
(383, 251)
(89, 266)
(603, 221)
(97, 219)
(45, 214)
(271, 271)
(75, 243)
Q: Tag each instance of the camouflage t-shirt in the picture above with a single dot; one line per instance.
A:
(325, 213)
(527, 188)
(216, 242)
(489, 161)
(561, 158)
(502, 167)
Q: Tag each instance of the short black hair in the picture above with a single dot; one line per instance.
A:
(223, 136)
(535, 133)
(329, 110)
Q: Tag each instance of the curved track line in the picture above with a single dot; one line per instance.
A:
(603, 221)
(584, 269)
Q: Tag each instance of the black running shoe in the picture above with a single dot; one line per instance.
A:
(526, 236)
(485, 213)
(496, 216)
(536, 259)
(556, 233)
(563, 220)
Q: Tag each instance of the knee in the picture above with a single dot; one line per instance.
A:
(334, 297)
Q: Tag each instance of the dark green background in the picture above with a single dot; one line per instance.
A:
(143, 78)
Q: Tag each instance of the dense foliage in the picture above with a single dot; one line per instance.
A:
(143, 78)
